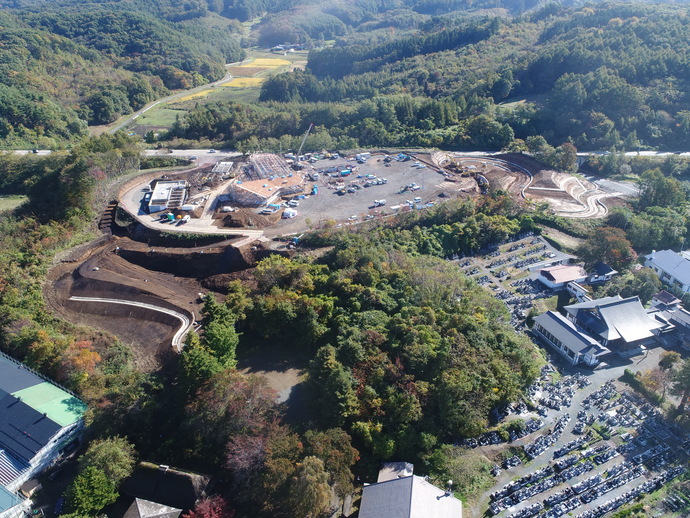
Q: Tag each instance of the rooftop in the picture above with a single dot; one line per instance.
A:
(163, 190)
(563, 273)
(408, 497)
(615, 318)
(32, 411)
(8, 500)
(672, 263)
(666, 298)
(141, 508)
(568, 333)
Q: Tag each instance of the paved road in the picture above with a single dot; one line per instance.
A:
(177, 340)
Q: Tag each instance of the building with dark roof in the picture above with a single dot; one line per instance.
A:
(621, 325)
(38, 420)
(569, 341)
(408, 497)
(601, 272)
(673, 269)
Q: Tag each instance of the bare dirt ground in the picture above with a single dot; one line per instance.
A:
(104, 272)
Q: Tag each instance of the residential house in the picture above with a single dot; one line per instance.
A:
(673, 269)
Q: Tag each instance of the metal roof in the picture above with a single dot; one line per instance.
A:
(58, 405)
(23, 430)
(8, 500)
(569, 335)
(408, 497)
(628, 320)
(613, 318)
(671, 263)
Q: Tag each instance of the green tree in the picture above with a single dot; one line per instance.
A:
(681, 384)
(657, 190)
(221, 339)
(90, 492)
(114, 456)
(310, 494)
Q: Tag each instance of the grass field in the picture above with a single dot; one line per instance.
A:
(160, 117)
(11, 202)
(243, 87)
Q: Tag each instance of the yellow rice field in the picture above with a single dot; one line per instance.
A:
(245, 82)
(203, 93)
(267, 62)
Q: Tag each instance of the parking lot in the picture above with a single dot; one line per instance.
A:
(349, 200)
(589, 445)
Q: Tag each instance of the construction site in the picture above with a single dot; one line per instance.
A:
(144, 280)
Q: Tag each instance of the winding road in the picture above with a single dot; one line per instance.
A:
(178, 338)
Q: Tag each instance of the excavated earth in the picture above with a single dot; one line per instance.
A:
(167, 277)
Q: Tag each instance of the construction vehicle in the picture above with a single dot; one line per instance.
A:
(304, 139)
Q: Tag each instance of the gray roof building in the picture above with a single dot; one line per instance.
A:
(672, 268)
(615, 321)
(141, 508)
(408, 497)
(568, 339)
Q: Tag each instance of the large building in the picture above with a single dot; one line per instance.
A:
(400, 494)
(265, 178)
(619, 324)
(673, 269)
(564, 336)
(38, 422)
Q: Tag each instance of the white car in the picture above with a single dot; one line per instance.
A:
(352, 218)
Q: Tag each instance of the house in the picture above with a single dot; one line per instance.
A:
(601, 272)
(408, 497)
(665, 300)
(568, 340)
(39, 422)
(621, 325)
(673, 269)
(557, 277)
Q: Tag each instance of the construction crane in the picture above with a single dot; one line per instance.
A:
(304, 139)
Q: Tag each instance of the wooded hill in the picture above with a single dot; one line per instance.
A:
(65, 66)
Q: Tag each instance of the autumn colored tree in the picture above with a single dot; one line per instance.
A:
(228, 404)
(213, 507)
(608, 245)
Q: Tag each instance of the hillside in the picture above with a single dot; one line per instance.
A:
(605, 76)
(64, 67)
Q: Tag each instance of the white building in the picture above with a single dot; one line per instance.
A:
(167, 195)
(673, 269)
(400, 494)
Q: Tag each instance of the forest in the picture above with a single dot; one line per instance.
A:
(600, 76)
